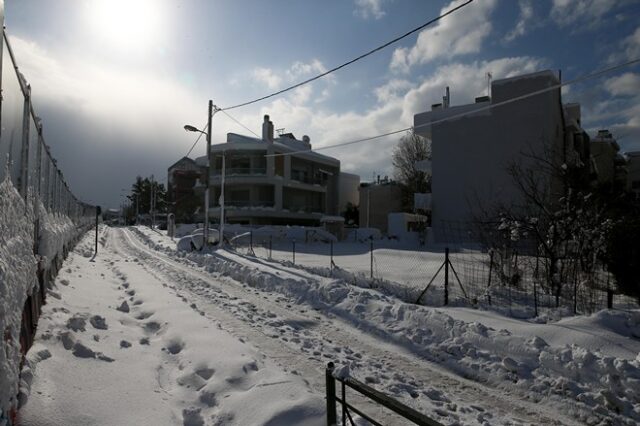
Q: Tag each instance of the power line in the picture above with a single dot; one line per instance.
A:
(196, 142)
(238, 122)
(364, 55)
(474, 111)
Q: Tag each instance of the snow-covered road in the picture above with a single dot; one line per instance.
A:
(260, 326)
(304, 339)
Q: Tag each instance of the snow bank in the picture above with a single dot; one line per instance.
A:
(17, 280)
(594, 385)
(55, 232)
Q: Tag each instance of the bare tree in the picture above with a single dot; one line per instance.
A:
(410, 149)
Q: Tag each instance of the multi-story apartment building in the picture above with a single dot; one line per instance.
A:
(273, 181)
(633, 173)
(475, 145)
(609, 165)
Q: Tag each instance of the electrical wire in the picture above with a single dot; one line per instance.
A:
(474, 111)
(364, 55)
(196, 142)
(238, 122)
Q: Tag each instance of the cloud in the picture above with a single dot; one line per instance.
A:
(631, 45)
(627, 84)
(524, 21)
(398, 101)
(461, 33)
(268, 77)
(297, 72)
(369, 9)
(568, 12)
(107, 117)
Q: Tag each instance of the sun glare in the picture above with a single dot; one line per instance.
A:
(125, 24)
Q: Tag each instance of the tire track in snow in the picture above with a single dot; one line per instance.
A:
(462, 399)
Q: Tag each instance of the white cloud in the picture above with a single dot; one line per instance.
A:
(392, 89)
(524, 21)
(462, 32)
(567, 12)
(268, 77)
(627, 84)
(130, 100)
(398, 100)
(631, 45)
(369, 9)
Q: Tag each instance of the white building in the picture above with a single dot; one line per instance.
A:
(274, 181)
(472, 151)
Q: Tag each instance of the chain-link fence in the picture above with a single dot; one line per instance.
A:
(455, 273)
(41, 217)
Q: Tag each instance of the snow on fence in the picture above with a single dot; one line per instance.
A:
(514, 285)
(40, 219)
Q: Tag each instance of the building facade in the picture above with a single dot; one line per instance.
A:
(272, 181)
(633, 173)
(474, 146)
(183, 202)
(377, 200)
(609, 166)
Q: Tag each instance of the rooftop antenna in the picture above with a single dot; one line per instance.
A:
(280, 131)
(489, 77)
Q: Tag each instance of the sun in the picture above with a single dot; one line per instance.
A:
(126, 24)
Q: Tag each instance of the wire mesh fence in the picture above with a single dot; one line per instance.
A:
(456, 273)
(26, 158)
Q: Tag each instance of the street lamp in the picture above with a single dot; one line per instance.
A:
(212, 110)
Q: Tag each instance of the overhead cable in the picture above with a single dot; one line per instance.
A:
(364, 55)
(473, 111)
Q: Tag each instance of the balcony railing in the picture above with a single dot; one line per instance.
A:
(247, 204)
(304, 177)
(242, 171)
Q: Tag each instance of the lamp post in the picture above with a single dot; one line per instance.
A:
(212, 110)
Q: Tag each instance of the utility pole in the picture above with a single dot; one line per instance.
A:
(221, 229)
(208, 175)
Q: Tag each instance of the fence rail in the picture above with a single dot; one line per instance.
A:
(514, 284)
(394, 405)
(37, 198)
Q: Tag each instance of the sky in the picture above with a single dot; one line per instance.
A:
(115, 81)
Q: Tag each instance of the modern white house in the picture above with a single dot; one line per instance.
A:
(273, 181)
(474, 145)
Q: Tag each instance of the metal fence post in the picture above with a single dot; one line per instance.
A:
(251, 240)
(270, 245)
(332, 414)
(294, 252)
(371, 251)
(489, 280)
(331, 254)
(446, 276)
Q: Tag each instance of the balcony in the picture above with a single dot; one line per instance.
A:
(245, 204)
(242, 171)
(304, 177)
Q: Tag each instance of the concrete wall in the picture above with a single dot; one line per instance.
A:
(376, 202)
(348, 190)
(471, 154)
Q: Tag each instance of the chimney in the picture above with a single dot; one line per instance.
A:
(446, 99)
(267, 130)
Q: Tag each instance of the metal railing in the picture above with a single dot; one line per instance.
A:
(332, 399)
(241, 171)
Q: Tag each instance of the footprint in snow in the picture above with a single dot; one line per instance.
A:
(191, 417)
(124, 307)
(76, 323)
(124, 344)
(175, 346)
(98, 322)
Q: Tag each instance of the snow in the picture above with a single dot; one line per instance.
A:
(160, 361)
(17, 280)
(592, 377)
